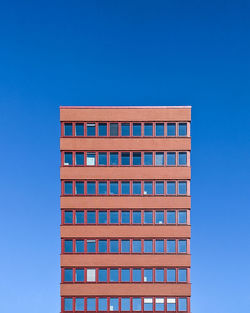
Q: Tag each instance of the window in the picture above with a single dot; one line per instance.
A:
(102, 218)
(136, 304)
(91, 246)
(90, 159)
(68, 159)
(68, 246)
(102, 188)
(171, 188)
(68, 217)
(114, 246)
(125, 304)
(159, 188)
(90, 129)
(182, 217)
(79, 275)
(102, 129)
(79, 304)
(125, 158)
(182, 129)
(114, 217)
(148, 304)
(102, 275)
(159, 217)
(125, 129)
(148, 274)
(182, 159)
(159, 129)
(148, 158)
(79, 217)
(159, 304)
(148, 217)
(68, 188)
(68, 130)
(125, 189)
(102, 158)
(136, 129)
(136, 246)
(171, 129)
(136, 275)
(113, 158)
(171, 246)
(68, 275)
(171, 158)
(79, 158)
(125, 275)
(90, 275)
(148, 246)
(68, 304)
(182, 246)
(148, 129)
(182, 187)
(136, 217)
(136, 158)
(91, 217)
(159, 246)
(91, 188)
(79, 129)
(182, 275)
(113, 275)
(171, 275)
(182, 304)
(102, 246)
(125, 246)
(171, 217)
(159, 158)
(114, 188)
(114, 304)
(113, 130)
(102, 304)
(91, 304)
(79, 188)
(148, 188)
(136, 187)
(159, 275)
(125, 217)
(171, 304)
(79, 246)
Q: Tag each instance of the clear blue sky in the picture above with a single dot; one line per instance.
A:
(118, 53)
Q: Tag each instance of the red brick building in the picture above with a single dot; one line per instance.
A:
(125, 207)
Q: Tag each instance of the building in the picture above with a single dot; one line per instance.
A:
(125, 207)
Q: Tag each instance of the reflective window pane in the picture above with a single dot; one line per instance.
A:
(182, 246)
(148, 129)
(90, 129)
(68, 158)
(79, 304)
(102, 129)
(136, 304)
(68, 246)
(68, 304)
(159, 275)
(68, 217)
(171, 129)
(125, 188)
(182, 129)
(79, 188)
(113, 158)
(159, 217)
(113, 188)
(125, 129)
(125, 158)
(171, 304)
(148, 275)
(102, 275)
(148, 217)
(102, 188)
(68, 188)
(171, 217)
(114, 304)
(91, 304)
(68, 274)
(113, 129)
(79, 275)
(136, 248)
(114, 275)
(125, 246)
(91, 189)
(171, 275)
(182, 217)
(136, 158)
(171, 158)
(182, 304)
(79, 217)
(148, 246)
(182, 187)
(182, 158)
(91, 246)
(102, 158)
(159, 246)
(148, 158)
(159, 188)
(125, 217)
(171, 188)
(125, 304)
(113, 217)
(102, 217)
(171, 246)
(136, 275)
(79, 130)
(79, 158)
(159, 304)
(136, 129)
(159, 129)
(102, 246)
(114, 246)
(68, 130)
(136, 187)
(102, 304)
(91, 217)
(148, 188)
(79, 246)
(182, 275)
(125, 275)
(148, 304)
(136, 217)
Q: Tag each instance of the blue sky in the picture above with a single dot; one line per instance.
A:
(124, 53)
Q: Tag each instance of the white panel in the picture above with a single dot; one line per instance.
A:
(170, 300)
(148, 300)
(90, 275)
(159, 300)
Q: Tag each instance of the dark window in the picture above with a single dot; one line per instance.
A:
(79, 246)
(102, 129)
(102, 188)
(136, 158)
(113, 188)
(102, 158)
(79, 188)
(91, 188)
(136, 217)
(125, 129)
(125, 217)
(171, 129)
(136, 129)
(68, 159)
(136, 188)
(113, 129)
(171, 158)
(79, 158)
(148, 188)
(68, 217)
(148, 217)
(68, 188)
(91, 246)
(148, 129)
(113, 158)
(125, 159)
(125, 246)
(90, 129)
(102, 246)
(182, 129)
(91, 217)
(68, 130)
(114, 217)
(148, 158)
(79, 129)
(102, 218)
(159, 188)
(68, 275)
(159, 129)
(68, 246)
(79, 217)
(125, 188)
